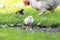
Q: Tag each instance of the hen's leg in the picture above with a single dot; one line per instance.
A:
(42, 11)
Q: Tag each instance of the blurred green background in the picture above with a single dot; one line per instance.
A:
(8, 18)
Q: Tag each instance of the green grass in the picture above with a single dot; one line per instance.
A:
(48, 19)
(19, 34)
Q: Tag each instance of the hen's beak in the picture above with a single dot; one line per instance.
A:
(26, 2)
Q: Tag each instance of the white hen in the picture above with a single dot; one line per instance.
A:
(43, 5)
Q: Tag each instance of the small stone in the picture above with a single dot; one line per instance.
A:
(38, 23)
(4, 25)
